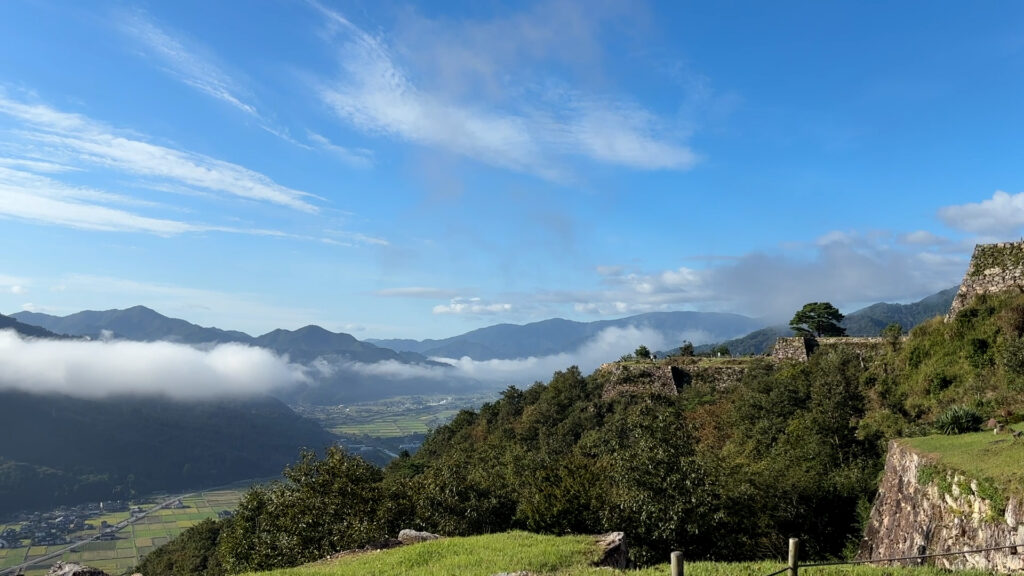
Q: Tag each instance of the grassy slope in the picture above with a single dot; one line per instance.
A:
(548, 555)
(979, 455)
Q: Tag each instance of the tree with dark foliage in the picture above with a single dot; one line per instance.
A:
(817, 319)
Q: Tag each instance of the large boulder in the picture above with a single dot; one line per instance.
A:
(408, 536)
(613, 551)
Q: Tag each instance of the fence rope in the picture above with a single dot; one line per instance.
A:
(897, 559)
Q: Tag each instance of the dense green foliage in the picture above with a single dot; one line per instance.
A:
(794, 449)
(719, 474)
(193, 552)
(977, 360)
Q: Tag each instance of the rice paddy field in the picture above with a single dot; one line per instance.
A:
(133, 542)
(393, 417)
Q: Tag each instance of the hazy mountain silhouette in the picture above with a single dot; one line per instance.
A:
(868, 321)
(24, 329)
(556, 336)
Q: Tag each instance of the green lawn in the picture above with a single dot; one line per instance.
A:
(479, 555)
(979, 455)
(543, 555)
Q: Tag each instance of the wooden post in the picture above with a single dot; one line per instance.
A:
(794, 556)
(677, 564)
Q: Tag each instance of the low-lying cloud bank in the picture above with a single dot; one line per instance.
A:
(99, 368)
(92, 369)
(608, 345)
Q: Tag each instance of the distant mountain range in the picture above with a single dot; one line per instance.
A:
(556, 336)
(346, 378)
(145, 325)
(867, 321)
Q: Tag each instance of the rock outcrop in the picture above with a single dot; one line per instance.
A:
(923, 509)
(614, 553)
(993, 268)
(72, 569)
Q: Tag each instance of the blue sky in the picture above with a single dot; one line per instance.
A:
(419, 170)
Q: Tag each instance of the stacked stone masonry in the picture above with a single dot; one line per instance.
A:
(666, 377)
(993, 268)
(799, 348)
(910, 518)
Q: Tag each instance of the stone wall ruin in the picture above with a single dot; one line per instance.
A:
(993, 268)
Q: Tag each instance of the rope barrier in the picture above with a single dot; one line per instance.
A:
(897, 559)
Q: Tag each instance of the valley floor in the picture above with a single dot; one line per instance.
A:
(132, 542)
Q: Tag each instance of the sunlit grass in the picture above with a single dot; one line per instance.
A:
(545, 555)
(978, 455)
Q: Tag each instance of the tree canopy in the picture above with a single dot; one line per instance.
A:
(818, 319)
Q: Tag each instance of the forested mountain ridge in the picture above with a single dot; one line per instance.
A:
(136, 323)
(10, 322)
(64, 450)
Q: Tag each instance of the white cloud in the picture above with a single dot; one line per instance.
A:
(608, 345)
(923, 238)
(183, 62)
(355, 157)
(848, 269)
(38, 166)
(1001, 215)
(18, 289)
(41, 199)
(416, 292)
(535, 133)
(471, 306)
(79, 141)
(10, 283)
(101, 368)
(835, 236)
(347, 238)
